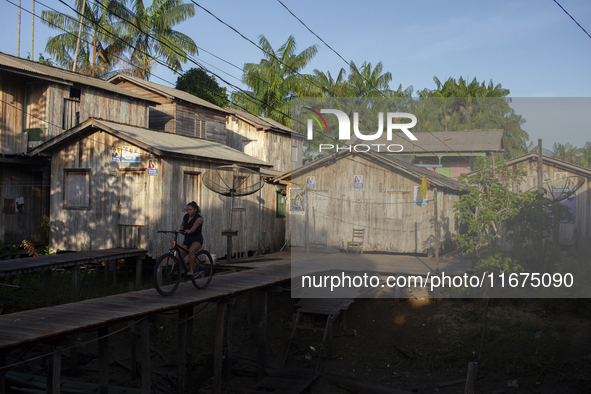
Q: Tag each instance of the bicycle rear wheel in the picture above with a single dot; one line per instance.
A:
(167, 274)
(203, 269)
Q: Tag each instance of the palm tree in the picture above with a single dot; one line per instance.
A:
(150, 34)
(99, 47)
(275, 80)
(330, 87)
(365, 82)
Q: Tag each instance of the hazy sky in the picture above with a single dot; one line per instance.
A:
(530, 47)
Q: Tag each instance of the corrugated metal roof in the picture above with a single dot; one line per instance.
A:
(444, 141)
(162, 143)
(55, 73)
(551, 160)
(264, 122)
(432, 177)
(168, 91)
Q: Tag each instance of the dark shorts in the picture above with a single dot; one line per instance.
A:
(189, 239)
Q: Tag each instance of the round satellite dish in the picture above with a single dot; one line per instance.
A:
(232, 181)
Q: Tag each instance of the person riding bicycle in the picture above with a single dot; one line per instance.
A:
(192, 225)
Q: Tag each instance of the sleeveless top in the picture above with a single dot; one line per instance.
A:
(187, 225)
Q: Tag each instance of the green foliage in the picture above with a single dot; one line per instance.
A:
(198, 83)
(459, 105)
(492, 212)
(150, 34)
(43, 230)
(569, 153)
(275, 80)
(496, 260)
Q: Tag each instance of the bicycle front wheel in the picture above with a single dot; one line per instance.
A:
(167, 274)
(203, 269)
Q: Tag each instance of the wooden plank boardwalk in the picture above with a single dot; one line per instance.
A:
(65, 260)
(46, 324)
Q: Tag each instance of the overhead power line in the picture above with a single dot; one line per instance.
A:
(574, 20)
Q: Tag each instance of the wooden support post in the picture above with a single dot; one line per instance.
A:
(139, 262)
(106, 264)
(74, 287)
(54, 367)
(73, 355)
(3, 371)
(114, 273)
(229, 339)
(540, 165)
(435, 198)
(133, 346)
(262, 339)
(146, 383)
(181, 365)
(218, 355)
(471, 379)
(397, 291)
(103, 361)
(190, 374)
(47, 301)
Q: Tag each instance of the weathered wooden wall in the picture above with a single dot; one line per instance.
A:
(276, 148)
(383, 207)
(128, 207)
(19, 181)
(12, 94)
(580, 230)
(108, 106)
(188, 117)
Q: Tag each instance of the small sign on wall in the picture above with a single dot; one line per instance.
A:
(418, 199)
(130, 154)
(310, 182)
(153, 167)
(297, 201)
(116, 154)
(358, 182)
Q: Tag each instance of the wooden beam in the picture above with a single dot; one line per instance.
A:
(133, 346)
(139, 262)
(229, 339)
(74, 286)
(103, 354)
(146, 383)
(219, 348)
(262, 338)
(181, 365)
(47, 296)
(471, 379)
(54, 367)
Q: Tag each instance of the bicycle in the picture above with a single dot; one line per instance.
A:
(170, 266)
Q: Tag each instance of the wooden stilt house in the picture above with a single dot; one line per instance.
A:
(332, 196)
(116, 185)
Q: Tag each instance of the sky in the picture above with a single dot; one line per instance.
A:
(533, 48)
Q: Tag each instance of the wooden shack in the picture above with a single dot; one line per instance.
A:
(346, 191)
(178, 112)
(117, 185)
(266, 139)
(39, 102)
(449, 153)
(559, 177)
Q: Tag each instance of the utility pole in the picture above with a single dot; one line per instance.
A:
(18, 31)
(540, 163)
(79, 33)
(32, 28)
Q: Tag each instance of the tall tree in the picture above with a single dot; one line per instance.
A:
(99, 49)
(462, 105)
(198, 83)
(275, 80)
(149, 31)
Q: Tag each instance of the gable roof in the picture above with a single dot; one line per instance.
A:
(168, 92)
(387, 161)
(156, 142)
(58, 75)
(444, 141)
(550, 160)
(264, 123)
